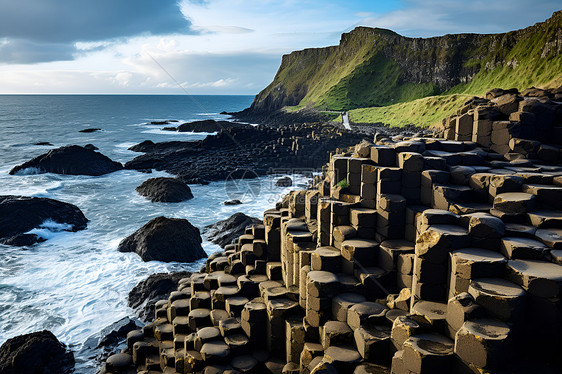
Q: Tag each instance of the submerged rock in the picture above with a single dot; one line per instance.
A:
(20, 214)
(35, 353)
(72, 160)
(155, 287)
(89, 130)
(224, 232)
(165, 239)
(169, 190)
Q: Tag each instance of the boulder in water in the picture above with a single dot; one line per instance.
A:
(284, 182)
(167, 190)
(156, 287)
(20, 214)
(73, 160)
(165, 239)
(38, 352)
(224, 232)
(232, 202)
(89, 130)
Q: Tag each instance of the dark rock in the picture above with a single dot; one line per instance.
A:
(284, 182)
(224, 232)
(232, 202)
(169, 129)
(149, 146)
(160, 122)
(149, 291)
(21, 214)
(258, 149)
(116, 332)
(109, 340)
(91, 147)
(90, 130)
(73, 160)
(165, 239)
(207, 125)
(168, 190)
(35, 353)
(43, 143)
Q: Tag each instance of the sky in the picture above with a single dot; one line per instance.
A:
(209, 46)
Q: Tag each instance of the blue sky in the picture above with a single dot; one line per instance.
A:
(209, 46)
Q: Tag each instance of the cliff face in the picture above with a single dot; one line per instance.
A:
(377, 67)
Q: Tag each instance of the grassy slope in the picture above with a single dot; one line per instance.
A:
(421, 112)
(530, 65)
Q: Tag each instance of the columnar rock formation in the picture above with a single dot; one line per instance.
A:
(425, 255)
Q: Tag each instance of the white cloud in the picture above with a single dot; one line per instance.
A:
(426, 18)
(240, 43)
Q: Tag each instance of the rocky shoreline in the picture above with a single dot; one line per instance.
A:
(414, 255)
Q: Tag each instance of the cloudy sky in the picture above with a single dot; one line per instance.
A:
(209, 46)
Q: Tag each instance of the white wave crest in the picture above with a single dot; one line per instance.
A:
(30, 171)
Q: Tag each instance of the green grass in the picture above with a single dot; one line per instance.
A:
(423, 112)
(357, 76)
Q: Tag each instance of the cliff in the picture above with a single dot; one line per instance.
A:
(377, 67)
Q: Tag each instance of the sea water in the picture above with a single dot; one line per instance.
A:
(75, 284)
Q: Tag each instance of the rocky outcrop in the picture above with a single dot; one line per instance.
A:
(511, 123)
(21, 214)
(259, 149)
(73, 160)
(208, 125)
(377, 67)
(165, 239)
(224, 232)
(166, 190)
(435, 256)
(38, 352)
(155, 287)
(109, 340)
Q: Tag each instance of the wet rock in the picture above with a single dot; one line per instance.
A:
(232, 202)
(155, 287)
(224, 232)
(89, 130)
(284, 182)
(72, 160)
(165, 239)
(43, 143)
(91, 147)
(38, 352)
(21, 214)
(168, 190)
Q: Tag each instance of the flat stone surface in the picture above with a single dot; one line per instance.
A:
(366, 313)
(484, 343)
(514, 202)
(419, 347)
(342, 302)
(551, 237)
(540, 278)
(471, 263)
(522, 248)
(546, 218)
(500, 297)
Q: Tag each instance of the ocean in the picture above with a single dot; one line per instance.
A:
(75, 284)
